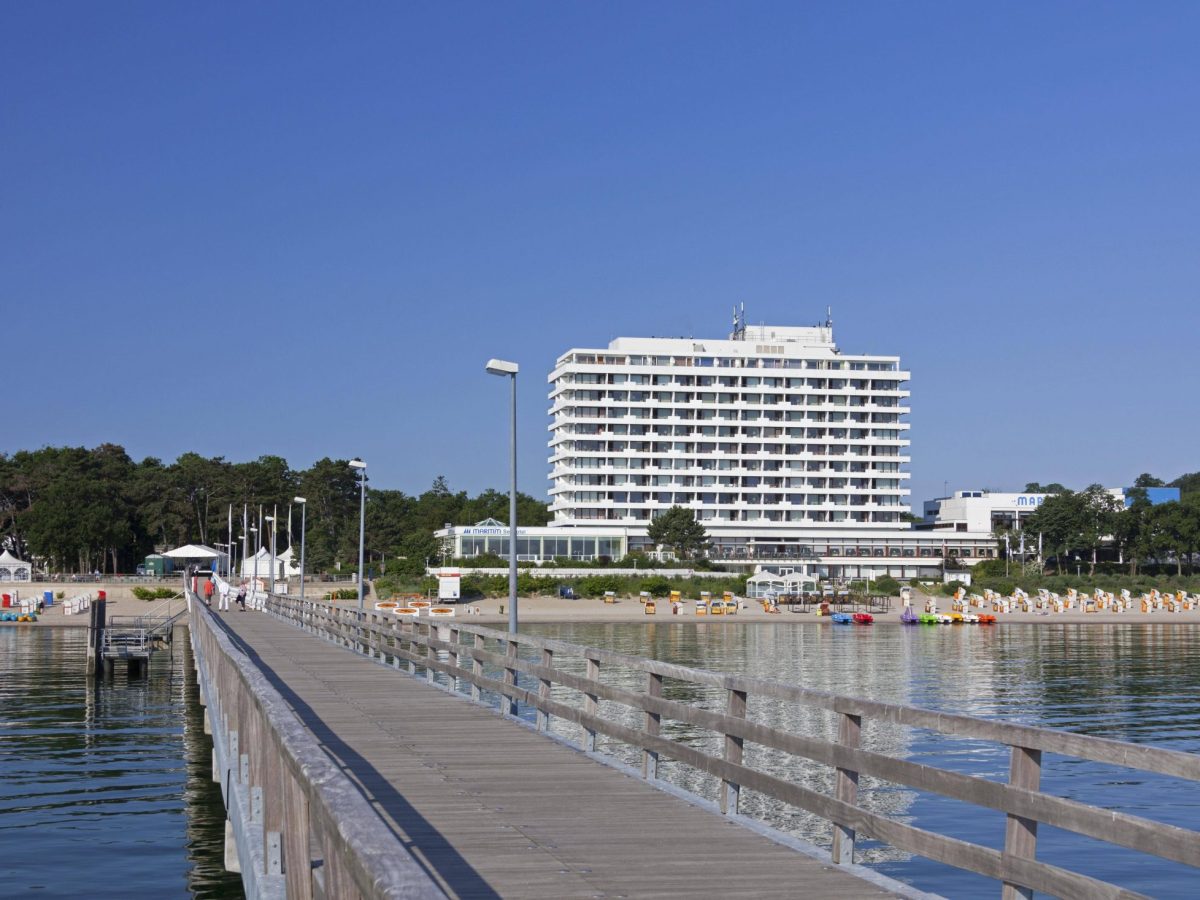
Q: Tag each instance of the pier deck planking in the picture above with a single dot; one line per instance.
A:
(494, 809)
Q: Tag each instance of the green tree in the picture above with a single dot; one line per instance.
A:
(678, 530)
(1059, 520)
(1188, 484)
(1053, 488)
(1097, 510)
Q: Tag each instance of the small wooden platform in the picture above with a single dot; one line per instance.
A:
(494, 809)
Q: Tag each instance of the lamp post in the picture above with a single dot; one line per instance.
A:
(254, 529)
(303, 522)
(271, 519)
(504, 368)
(361, 467)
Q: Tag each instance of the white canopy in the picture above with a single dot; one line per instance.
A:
(194, 551)
(13, 569)
(763, 584)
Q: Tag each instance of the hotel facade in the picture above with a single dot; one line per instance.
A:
(791, 453)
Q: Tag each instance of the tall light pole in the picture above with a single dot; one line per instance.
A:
(504, 368)
(303, 522)
(361, 467)
(254, 530)
(271, 519)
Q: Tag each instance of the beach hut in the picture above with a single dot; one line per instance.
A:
(13, 569)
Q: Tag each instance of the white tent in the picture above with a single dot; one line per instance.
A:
(200, 555)
(291, 565)
(764, 584)
(13, 569)
(195, 552)
(263, 565)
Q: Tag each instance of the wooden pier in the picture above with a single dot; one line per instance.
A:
(344, 777)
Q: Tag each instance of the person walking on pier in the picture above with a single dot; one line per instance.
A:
(208, 592)
(223, 604)
(241, 598)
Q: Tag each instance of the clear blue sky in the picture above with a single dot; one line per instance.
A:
(245, 229)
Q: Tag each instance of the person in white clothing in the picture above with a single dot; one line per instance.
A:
(224, 604)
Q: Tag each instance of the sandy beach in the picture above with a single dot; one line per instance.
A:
(554, 609)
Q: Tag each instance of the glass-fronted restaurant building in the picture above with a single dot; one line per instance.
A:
(533, 544)
(849, 554)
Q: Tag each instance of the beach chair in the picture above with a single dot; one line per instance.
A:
(610, 596)
(649, 608)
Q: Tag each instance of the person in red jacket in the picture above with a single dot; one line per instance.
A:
(208, 592)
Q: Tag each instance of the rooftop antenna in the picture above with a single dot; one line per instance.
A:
(739, 323)
(829, 317)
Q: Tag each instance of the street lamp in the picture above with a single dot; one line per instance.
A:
(271, 519)
(361, 467)
(303, 521)
(254, 528)
(503, 368)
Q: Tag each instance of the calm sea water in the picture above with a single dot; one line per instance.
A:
(1138, 683)
(105, 788)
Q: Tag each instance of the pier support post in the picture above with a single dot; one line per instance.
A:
(543, 718)
(591, 704)
(477, 668)
(652, 723)
(510, 678)
(849, 731)
(735, 705)
(95, 642)
(1020, 834)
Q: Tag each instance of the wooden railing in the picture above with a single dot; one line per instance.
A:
(303, 828)
(469, 648)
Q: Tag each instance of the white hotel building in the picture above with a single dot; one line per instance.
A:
(792, 454)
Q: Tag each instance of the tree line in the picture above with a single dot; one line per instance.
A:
(1090, 523)
(81, 510)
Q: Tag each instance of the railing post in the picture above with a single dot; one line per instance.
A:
(410, 632)
(849, 732)
(430, 653)
(455, 639)
(651, 725)
(477, 668)
(1020, 834)
(591, 705)
(543, 718)
(510, 678)
(731, 791)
